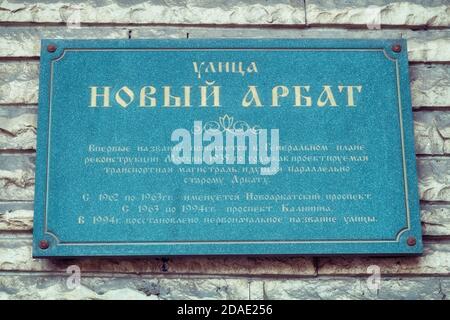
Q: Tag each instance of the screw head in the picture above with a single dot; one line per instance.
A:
(51, 48)
(43, 244)
(411, 241)
(396, 48)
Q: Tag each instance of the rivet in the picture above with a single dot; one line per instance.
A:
(411, 241)
(51, 48)
(43, 244)
(396, 48)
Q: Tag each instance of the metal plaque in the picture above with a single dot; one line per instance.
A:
(225, 147)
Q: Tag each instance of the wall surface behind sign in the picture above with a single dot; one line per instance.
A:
(425, 24)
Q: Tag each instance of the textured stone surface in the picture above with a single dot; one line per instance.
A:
(17, 128)
(435, 261)
(445, 288)
(430, 84)
(55, 287)
(156, 11)
(434, 179)
(436, 220)
(16, 216)
(355, 289)
(428, 46)
(16, 177)
(186, 289)
(424, 277)
(15, 251)
(19, 82)
(40, 287)
(432, 132)
(423, 46)
(33, 286)
(256, 290)
(393, 12)
(26, 41)
(242, 265)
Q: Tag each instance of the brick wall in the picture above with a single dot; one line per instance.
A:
(424, 23)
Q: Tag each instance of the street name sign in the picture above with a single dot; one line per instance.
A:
(225, 147)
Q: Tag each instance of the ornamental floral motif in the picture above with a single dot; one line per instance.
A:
(227, 124)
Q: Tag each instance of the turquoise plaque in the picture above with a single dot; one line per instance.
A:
(225, 147)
